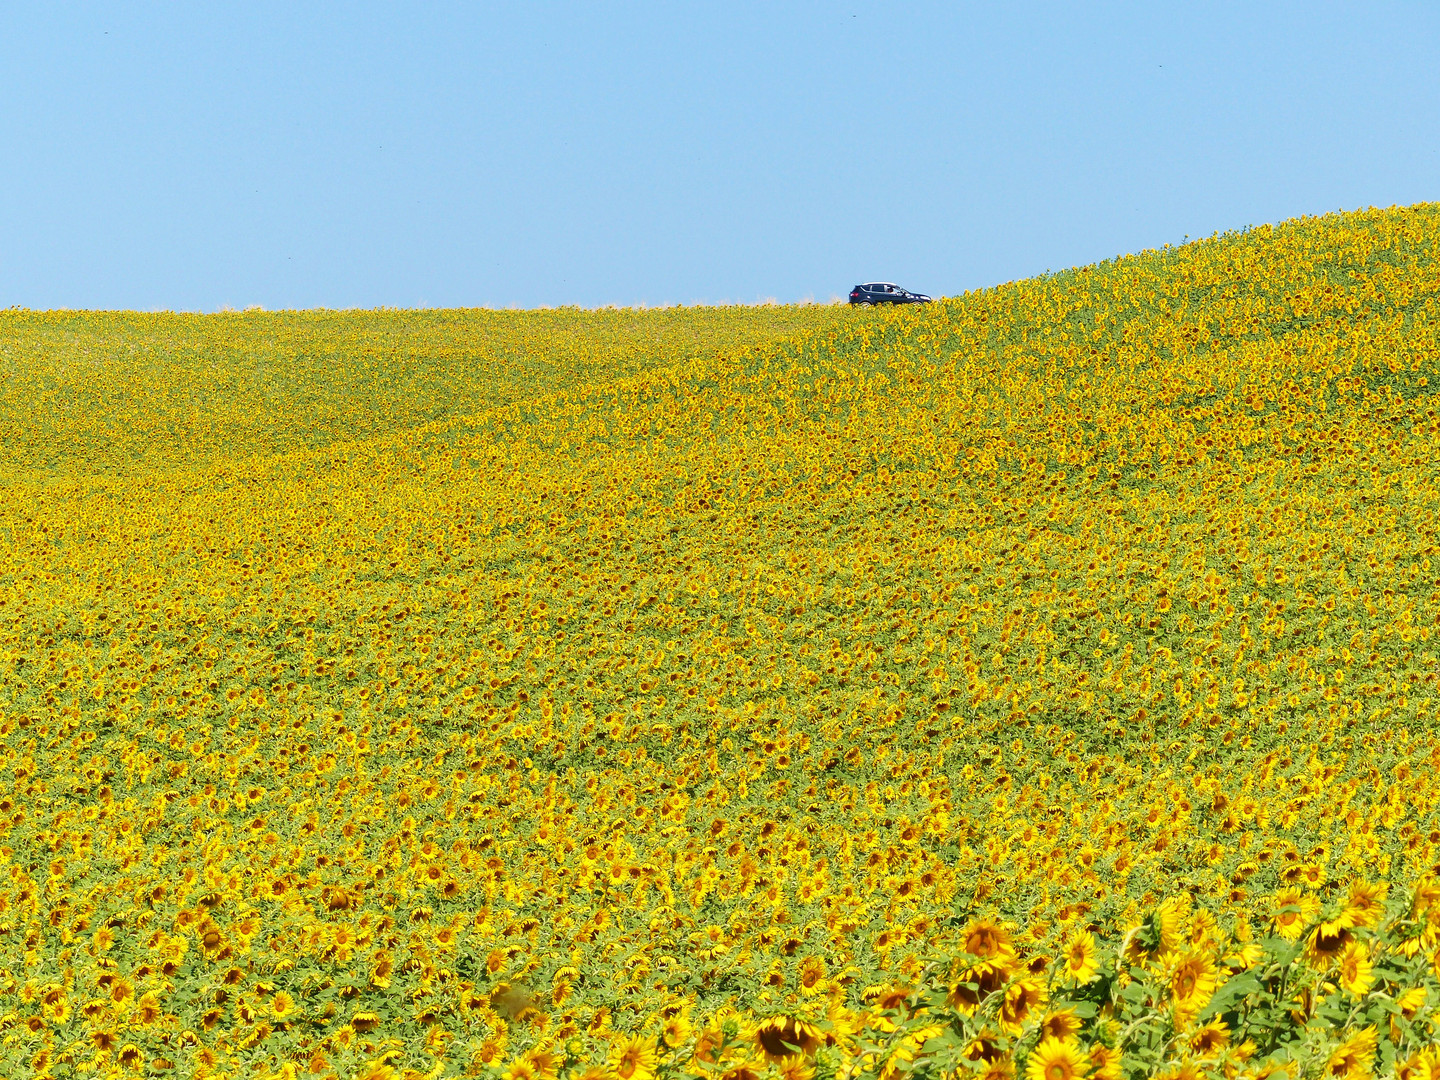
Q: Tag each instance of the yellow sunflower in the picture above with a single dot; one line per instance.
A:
(632, 1057)
(1104, 1062)
(1324, 946)
(1356, 971)
(543, 1062)
(1061, 1024)
(283, 1006)
(1170, 917)
(1292, 911)
(1000, 1068)
(1023, 1000)
(780, 1037)
(984, 1047)
(1210, 1039)
(1418, 1066)
(812, 975)
(1188, 1070)
(1411, 1000)
(1192, 982)
(1057, 1059)
(1082, 962)
(708, 1044)
(987, 978)
(1355, 1057)
(677, 1029)
(987, 939)
(1365, 903)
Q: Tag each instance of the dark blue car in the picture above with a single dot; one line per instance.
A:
(884, 292)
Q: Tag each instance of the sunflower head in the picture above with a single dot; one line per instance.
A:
(781, 1037)
(1104, 1062)
(986, 1046)
(987, 939)
(1169, 921)
(708, 1045)
(1411, 1000)
(544, 1063)
(812, 974)
(1418, 1066)
(1186, 1070)
(677, 1029)
(888, 998)
(1355, 1057)
(1365, 903)
(1082, 961)
(1057, 1059)
(1060, 1024)
(976, 983)
(1355, 970)
(1292, 911)
(1324, 945)
(1023, 1000)
(1210, 1039)
(632, 1057)
(1192, 980)
(1426, 898)
(1001, 1068)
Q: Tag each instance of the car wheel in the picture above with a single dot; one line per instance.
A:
(866, 303)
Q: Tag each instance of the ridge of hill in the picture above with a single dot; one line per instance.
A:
(107, 393)
(698, 705)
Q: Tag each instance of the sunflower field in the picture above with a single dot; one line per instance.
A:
(1037, 683)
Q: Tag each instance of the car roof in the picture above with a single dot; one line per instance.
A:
(877, 284)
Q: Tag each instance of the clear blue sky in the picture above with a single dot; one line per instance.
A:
(188, 156)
